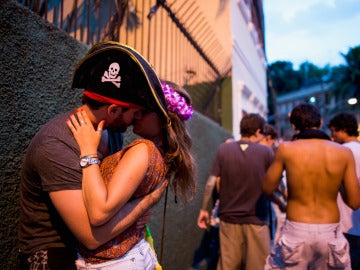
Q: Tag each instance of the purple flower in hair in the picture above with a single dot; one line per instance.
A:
(176, 103)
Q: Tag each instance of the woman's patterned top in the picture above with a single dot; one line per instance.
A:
(118, 246)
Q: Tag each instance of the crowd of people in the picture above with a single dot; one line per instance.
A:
(85, 199)
(312, 179)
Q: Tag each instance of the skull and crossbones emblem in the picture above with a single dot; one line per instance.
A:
(111, 75)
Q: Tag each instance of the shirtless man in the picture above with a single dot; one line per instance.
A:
(316, 169)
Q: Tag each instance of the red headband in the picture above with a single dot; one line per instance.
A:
(103, 99)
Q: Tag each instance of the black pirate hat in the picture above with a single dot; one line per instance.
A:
(114, 73)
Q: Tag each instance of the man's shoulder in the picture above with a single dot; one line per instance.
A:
(260, 148)
(352, 145)
(305, 142)
(297, 148)
(226, 146)
(55, 127)
(53, 137)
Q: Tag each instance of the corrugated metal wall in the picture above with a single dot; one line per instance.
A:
(174, 36)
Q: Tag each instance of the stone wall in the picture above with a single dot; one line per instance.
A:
(36, 65)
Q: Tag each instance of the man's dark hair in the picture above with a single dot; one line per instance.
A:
(250, 123)
(269, 130)
(345, 122)
(305, 116)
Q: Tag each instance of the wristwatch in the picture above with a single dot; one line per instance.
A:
(87, 161)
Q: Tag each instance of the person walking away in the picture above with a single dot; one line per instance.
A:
(316, 169)
(241, 166)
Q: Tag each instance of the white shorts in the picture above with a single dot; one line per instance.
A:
(141, 257)
(310, 246)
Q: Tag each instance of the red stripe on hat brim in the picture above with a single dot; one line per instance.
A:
(103, 99)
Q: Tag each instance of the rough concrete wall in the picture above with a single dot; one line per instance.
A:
(36, 65)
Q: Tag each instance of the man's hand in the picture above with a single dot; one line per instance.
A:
(203, 219)
(150, 200)
(143, 220)
(156, 195)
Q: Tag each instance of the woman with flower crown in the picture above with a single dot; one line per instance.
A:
(163, 154)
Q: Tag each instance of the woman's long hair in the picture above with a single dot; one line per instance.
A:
(178, 154)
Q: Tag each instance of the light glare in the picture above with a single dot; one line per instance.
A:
(352, 101)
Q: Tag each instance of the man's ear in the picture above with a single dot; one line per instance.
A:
(114, 109)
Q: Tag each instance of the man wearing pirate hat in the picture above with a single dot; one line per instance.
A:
(117, 83)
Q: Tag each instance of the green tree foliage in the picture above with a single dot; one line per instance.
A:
(284, 78)
(311, 74)
(347, 77)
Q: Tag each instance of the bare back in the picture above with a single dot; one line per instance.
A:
(315, 171)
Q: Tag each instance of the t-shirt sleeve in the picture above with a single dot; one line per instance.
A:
(215, 171)
(58, 166)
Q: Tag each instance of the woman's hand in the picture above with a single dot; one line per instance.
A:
(84, 133)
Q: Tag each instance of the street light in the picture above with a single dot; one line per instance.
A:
(352, 101)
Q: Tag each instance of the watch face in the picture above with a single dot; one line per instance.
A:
(84, 162)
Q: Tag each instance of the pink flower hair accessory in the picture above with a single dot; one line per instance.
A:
(176, 103)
